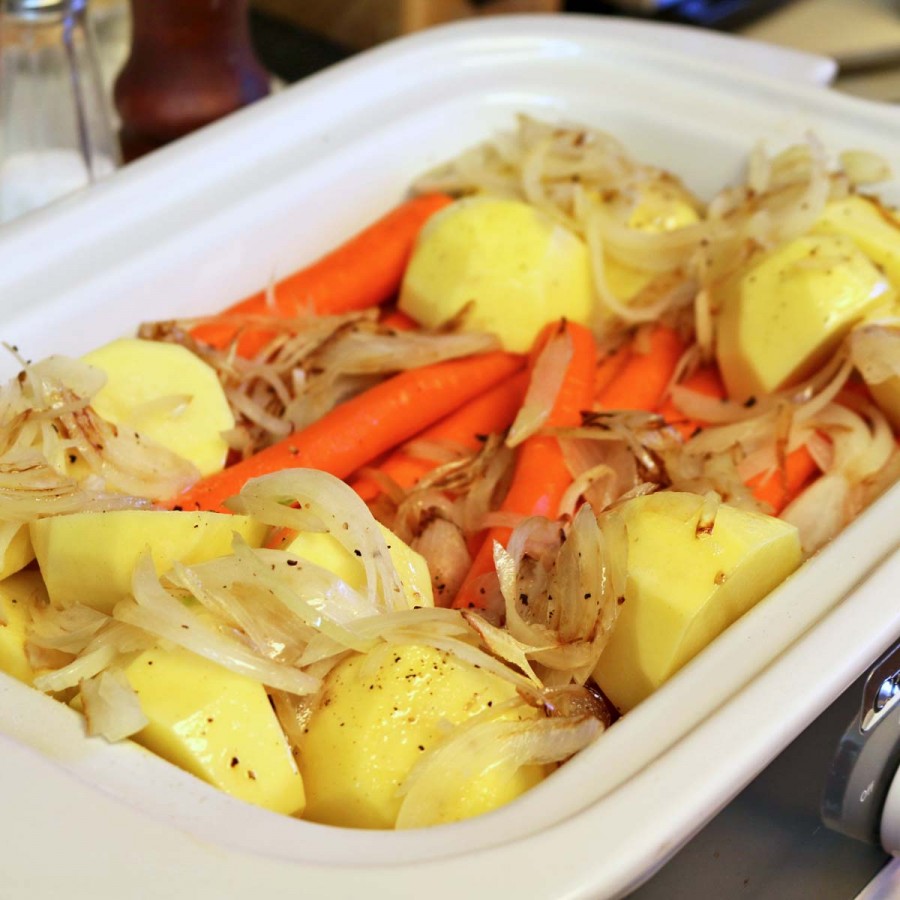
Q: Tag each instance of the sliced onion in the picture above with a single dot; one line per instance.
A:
(543, 388)
(112, 709)
(864, 167)
(820, 511)
(444, 548)
(159, 613)
(479, 746)
(875, 350)
(325, 503)
(502, 644)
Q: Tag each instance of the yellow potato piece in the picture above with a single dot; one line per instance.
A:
(373, 724)
(18, 594)
(90, 557)
(871, 227)
(166, 393)
(786, 313)
(217, 725)
(514, 266)
(15, 548)
(326, 551)
(685, 586)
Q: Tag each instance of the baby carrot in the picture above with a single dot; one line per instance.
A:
(645, 375)
(706, 381)
(489, 413)
(363, 272)
(779, 487)
(609, 368)
(540, 477)
(363, 427)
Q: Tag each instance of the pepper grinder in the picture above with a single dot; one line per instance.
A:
(56, 134)
(191, 62)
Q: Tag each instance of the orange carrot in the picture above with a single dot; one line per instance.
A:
(398, 320)
(363, 272)
(540, 477)
(779, 487)
(362, 428)
(706, 381)
(489, 413)
(642, 381)
(610, 367)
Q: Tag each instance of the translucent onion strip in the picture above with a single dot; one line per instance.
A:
(112, 708)
(158, 612)
(310, 500)
(481, 745)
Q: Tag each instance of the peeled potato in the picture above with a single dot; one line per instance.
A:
(512, 267)
(786, 313)
(17, 594)
(686, 585)
(15, 548)
(90, 557)
(217, 725)
(373, 723)
(871, 227)
(168, 394)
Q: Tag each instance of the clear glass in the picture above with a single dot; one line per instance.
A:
(56, 133)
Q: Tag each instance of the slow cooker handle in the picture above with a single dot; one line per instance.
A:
(857, 799)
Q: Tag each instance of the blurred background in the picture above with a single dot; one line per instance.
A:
(86, 85)
(294, 38)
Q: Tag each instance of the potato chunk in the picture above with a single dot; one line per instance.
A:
(515, 269)
(17, 594)
(15, 548)
(90, 557)
(786, 313)
(217, 725)
(372, 725)
(685, 585)
(168, 394)
(871, 227)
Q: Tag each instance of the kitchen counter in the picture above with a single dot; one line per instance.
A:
(862, 36)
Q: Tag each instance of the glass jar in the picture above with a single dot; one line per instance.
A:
(56, 134)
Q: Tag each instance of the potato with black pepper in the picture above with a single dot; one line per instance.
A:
(378, 716)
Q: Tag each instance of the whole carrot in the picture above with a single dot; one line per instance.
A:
(362, 428)
(541, 476)
(488, 413)
(361, 273)
(642, 380)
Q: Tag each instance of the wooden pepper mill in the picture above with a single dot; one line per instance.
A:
(191, 63)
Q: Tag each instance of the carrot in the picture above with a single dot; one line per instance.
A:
(644, 377)
(364, 272)
(362, 428)
(706, 381)
(398, 320)
(610, 367)
(777, 488)
(540, 477)
(488, 413)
